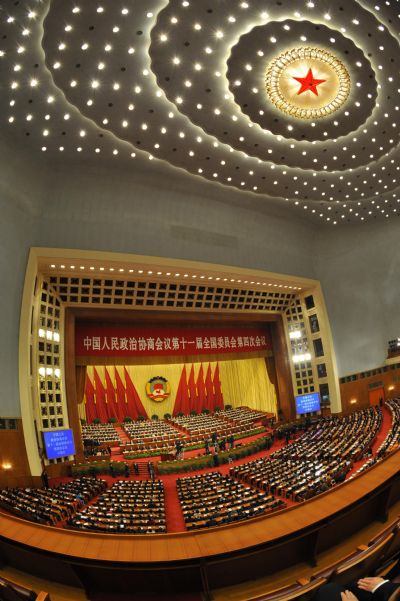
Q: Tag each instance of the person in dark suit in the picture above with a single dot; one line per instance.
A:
(365, 589)
(45, 479)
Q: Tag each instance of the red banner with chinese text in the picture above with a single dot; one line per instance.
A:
(128, 341)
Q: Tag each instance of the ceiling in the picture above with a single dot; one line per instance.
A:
(184, 81)
(115, 266)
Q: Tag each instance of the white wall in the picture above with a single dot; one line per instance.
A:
(359, 268)
(20, 187)
(171, 215)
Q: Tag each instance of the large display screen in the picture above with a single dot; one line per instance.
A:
(307, 403)
(59, 443)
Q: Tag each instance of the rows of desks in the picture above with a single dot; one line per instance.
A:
(208, 543)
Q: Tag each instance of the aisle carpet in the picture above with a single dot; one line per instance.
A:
(386, 425)
(173, 511)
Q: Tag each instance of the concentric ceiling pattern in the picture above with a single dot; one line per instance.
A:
(291, 100)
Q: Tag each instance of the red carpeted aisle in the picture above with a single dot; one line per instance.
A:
(173, 511)
(122, 434)
(386, 425)
(174, 516)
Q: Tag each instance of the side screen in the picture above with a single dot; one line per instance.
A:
(307, 403)
(59, 443)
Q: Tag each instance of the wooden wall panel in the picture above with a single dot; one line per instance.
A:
(284, 384)
(13, 452)
(355, 394)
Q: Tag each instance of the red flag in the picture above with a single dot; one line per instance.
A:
(101, 401)
(135, 406)
(90, 403)
(218, 397)
(209, 389)
(192, 391)
(111, 397)
(121, 396)
(182, 399)
(201, 390)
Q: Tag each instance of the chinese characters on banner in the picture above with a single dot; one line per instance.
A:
(129, 341)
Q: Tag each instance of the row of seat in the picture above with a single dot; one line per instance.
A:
(392, 438)
(213, 499)
(135, 507)
(51, 505)
(10, 591)
(221, 422)
(376, 557)
(317, 460)
(151, 431)
(102, 433)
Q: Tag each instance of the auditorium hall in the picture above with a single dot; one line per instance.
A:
(200, 333)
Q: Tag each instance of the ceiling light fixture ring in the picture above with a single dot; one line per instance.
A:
(282, 87)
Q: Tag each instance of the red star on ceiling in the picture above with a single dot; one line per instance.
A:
(309, 83)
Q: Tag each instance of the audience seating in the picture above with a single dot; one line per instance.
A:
(364, 563)
(302, 589)
(132, 507)
(237, 421)
(10, 591)
(390, 553)
(242, 416)
(150, 431)
(213, 499)
(150, 436)
(101, 433)
(51, 505)
(366, 560)
(392, 439)
(317, 460)
(160, 437)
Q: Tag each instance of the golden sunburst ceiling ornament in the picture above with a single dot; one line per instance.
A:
(307, 83)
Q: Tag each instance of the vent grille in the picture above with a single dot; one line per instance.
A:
(141, 293)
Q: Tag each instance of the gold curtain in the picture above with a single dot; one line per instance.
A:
(246, 382)
(80, 373)
(81, 411)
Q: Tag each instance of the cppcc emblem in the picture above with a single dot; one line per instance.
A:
(158, 389)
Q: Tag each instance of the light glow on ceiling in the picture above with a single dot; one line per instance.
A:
(206, 72)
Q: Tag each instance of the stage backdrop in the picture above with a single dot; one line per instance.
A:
(242, 382)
